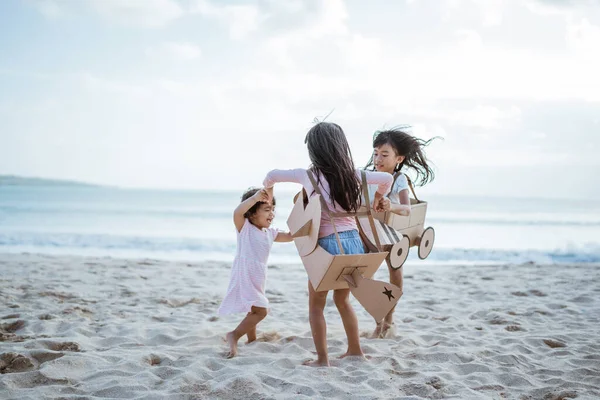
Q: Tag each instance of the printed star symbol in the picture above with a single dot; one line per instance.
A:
(388, 293)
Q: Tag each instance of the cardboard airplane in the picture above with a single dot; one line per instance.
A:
(327, 271)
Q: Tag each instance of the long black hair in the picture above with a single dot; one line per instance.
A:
(330, 155)
(412, 148)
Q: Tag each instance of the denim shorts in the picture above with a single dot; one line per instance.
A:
(351, 243)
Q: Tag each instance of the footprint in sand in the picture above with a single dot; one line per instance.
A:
(42, 356)
(554, 343)
(84, 312)
(435, 382)
(520, 294)
(14, 362)
(537, 293)
(12, 326)
(153, 359)
(513, 328)
(10, 316)
(498, 321)
(61, 346)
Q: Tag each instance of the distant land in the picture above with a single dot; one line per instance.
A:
(13, 180)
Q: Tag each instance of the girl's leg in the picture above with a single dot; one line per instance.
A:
(396, 278)
(318, 326)
(251, 334)
(249, 323)
(341, 297)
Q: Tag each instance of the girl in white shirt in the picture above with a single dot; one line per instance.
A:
(395, 151)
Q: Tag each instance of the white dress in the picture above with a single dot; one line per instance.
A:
(249, 270)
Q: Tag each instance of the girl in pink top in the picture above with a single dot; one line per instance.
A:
(246, 291)
(340, 184)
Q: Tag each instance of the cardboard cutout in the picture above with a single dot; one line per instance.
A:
(398, 233)
(328, 271)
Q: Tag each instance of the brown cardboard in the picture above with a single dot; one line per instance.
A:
(394, 231)
(327, 271)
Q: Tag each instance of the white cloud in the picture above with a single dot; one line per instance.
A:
(51, 9)
(241, 20)
(103, 85)
(146, 13)
(584, 38)
(181, 51)
(142, 13)
(469, 40)
(299, 59)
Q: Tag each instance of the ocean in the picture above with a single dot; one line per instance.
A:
(197, 225)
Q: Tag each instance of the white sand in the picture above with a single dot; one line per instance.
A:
(74, 327)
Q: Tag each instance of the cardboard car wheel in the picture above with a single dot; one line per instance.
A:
(426, 243)
(399, 252)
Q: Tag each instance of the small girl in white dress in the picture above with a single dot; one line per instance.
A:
(246, 291)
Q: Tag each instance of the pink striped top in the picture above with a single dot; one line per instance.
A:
(383, 180)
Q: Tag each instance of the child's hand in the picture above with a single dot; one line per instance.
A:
(377, 200)
(262, 196)
(384, 205)
(269, 193)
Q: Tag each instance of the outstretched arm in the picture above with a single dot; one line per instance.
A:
(284, 237)
(238, 213)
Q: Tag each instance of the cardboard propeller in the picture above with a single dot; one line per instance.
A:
(328, 271)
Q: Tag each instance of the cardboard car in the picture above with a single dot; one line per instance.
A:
(399, 233)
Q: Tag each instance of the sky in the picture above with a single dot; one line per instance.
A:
(206, 94)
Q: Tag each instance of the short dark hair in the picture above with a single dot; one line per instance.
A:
(249, 193)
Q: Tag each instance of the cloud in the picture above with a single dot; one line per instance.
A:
(98, 84)
(584, 37)
(51, 9)
(241, 20)
(142, 13)
(146, 13)
(180, 51)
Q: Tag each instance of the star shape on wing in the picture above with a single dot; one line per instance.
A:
(388, 293)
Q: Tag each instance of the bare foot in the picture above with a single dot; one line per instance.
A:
(377, 332)
(316, 363)
(388, 330)
(353, 354)
(251, 341)
(233, 350)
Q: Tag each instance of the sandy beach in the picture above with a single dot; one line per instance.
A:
(79, 327)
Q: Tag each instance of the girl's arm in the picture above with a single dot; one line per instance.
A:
(283, 237)
(238, 213)
(286, 175)
(383, 180)
(404, 207)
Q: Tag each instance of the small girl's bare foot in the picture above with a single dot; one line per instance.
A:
(233, 350)
(316, 363)
(377, 332)
(388, 330)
